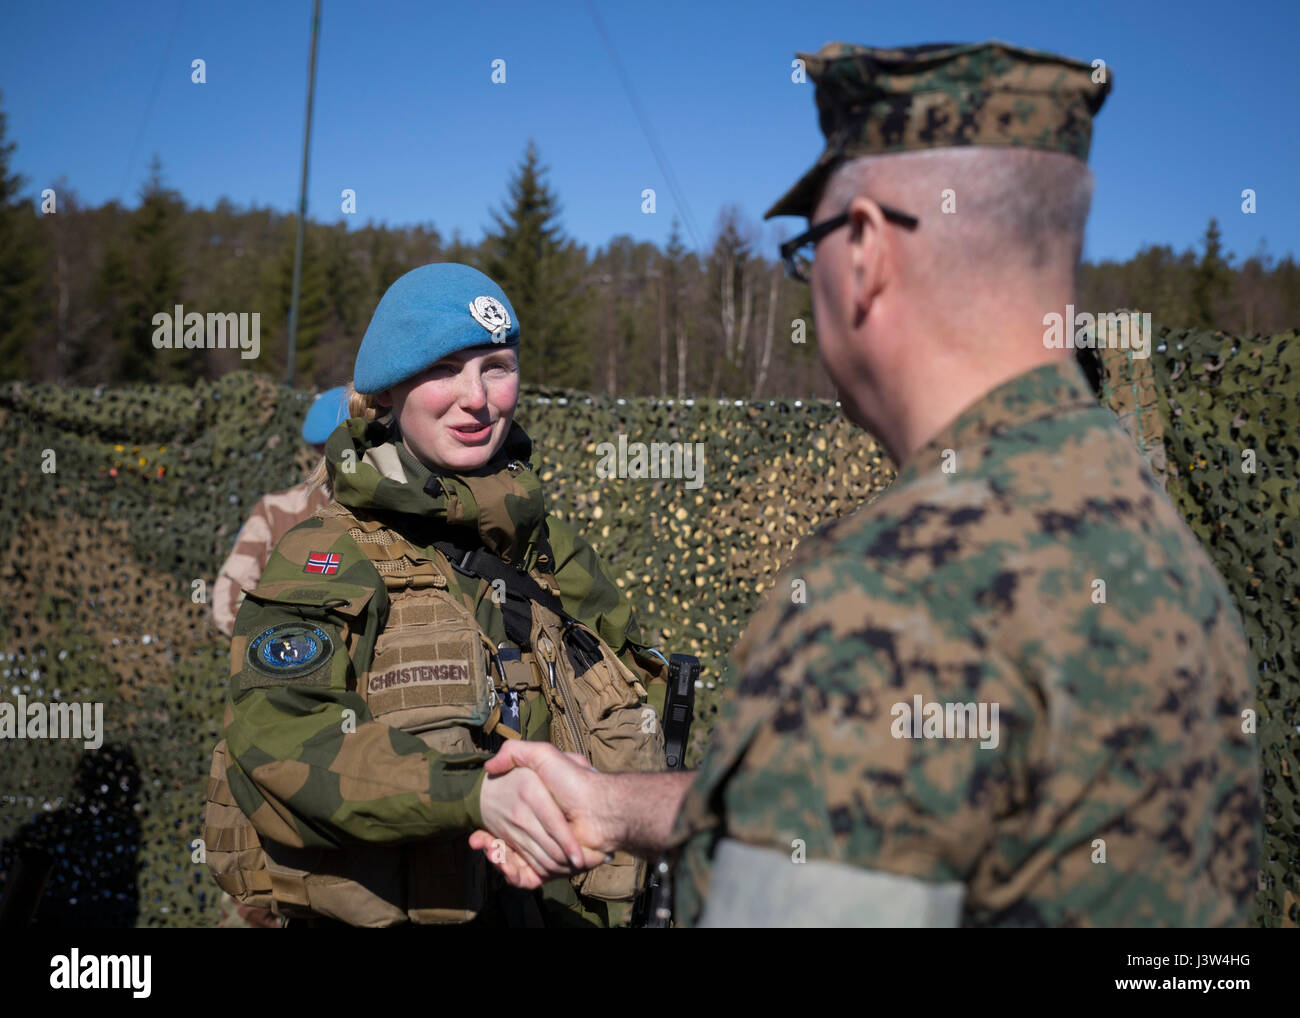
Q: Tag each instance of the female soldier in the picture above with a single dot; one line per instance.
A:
(429, 611)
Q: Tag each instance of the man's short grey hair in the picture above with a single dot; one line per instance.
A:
(1014, 207)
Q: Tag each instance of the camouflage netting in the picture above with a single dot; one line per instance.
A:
(1231, 413)
(121, 504)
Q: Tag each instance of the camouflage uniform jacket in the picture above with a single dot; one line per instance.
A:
(1027, 559)
(273, 517)
(293, 771)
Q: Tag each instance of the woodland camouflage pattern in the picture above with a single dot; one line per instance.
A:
(295, 774)
(1120, 721)
(273, 516)
(876, 101)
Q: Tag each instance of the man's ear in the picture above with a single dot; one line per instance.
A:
(868, 254)
(384, 399)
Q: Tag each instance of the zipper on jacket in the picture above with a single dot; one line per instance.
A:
(547, 650)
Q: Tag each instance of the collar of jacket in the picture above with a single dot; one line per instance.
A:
(372, 470)
(1048, 391)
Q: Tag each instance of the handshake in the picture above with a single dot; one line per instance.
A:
(549, 814)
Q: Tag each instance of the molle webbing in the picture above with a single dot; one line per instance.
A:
(234, 850)
(410, 634)
(397, 562)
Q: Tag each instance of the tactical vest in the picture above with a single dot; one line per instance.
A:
(435, 674)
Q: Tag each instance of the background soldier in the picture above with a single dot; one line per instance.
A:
(275, 515)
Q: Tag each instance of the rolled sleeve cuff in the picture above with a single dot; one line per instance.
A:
(472, 801)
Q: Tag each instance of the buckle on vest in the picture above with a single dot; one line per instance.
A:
(466, 564)
(584, 649)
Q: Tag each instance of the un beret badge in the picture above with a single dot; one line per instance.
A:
(490, 313)
(289, 650)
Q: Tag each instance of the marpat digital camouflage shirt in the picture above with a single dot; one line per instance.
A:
(1025, 560)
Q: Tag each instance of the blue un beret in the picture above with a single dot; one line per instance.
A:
(328, 411)
(428, 313)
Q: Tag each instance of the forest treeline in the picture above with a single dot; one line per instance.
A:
(79, 288)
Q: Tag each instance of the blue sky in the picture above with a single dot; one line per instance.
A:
(1204, 106)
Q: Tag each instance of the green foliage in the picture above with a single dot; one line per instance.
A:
(1184, 290)
(313, 304)
(344, 281)
(154, 277)
(1212, 280)
(21, 270)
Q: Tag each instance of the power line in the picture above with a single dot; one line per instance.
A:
(153, 95)
(661, 158)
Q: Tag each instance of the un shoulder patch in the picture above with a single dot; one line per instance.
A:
(289, 650)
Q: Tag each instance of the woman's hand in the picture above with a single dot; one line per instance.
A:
(518, 810)
(574, 788)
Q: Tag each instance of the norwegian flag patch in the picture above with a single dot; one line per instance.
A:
(322, 562)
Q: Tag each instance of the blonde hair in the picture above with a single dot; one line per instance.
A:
(359, 405)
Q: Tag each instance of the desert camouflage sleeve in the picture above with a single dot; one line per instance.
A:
(274, 516)
(243, 566)
(309, 764)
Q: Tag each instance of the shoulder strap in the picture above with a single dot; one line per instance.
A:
(474, 559)
(478, 562)
(396, 560)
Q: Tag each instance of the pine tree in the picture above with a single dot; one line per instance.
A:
(460, 251)
(154, 273)
(1211, 281)
(1286, 284)
(386, 262)
(110, 297)
(21, 280)
(345, 283)
(541, 273)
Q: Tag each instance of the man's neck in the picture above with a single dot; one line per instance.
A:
(929, 398)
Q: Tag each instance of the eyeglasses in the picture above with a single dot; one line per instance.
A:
(797, 253)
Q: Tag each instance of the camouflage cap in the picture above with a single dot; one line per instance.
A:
(873, 101)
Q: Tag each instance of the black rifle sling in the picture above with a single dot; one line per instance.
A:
(478, 562)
